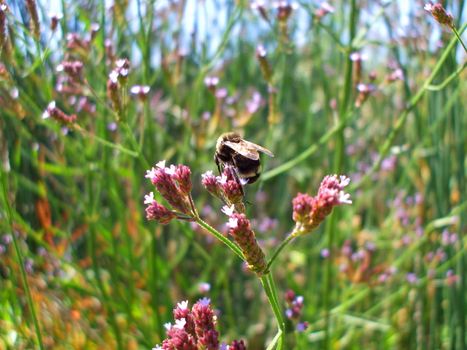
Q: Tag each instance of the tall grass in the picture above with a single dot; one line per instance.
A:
(80, 265)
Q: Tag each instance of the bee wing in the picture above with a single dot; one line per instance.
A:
(244, 149)
(259, 148)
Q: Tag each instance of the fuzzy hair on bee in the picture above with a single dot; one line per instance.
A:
(240, 155)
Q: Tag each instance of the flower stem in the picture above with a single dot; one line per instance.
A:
(458, 37)
(283, 244)
(233, 247)
(270, 289)
(19, 256)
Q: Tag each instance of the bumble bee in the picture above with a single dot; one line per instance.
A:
(241, 155)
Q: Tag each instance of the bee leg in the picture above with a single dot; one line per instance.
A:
(237, 178)
(218, 163)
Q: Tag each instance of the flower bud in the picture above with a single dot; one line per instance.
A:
(240, 230)
(57, 114)
(440, 14)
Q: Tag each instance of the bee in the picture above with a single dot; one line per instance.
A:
(240, 155)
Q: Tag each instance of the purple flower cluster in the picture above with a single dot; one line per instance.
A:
(225, 187)
(309, 212)
(195, 329)
(294, 309)
(174, 185)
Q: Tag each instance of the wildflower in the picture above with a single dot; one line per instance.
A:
(261, 55)
(364, 90)
(72, 68)
(260, 6)
(156, 211)
(451, 278)
(240, 230)
(323, 9)
(357, 58)
(140, 91)
(439, 13)
(211, 184)
(237, 345)
(57, 114)
(325, 253)
(174, 184)
(194, 329)
(204, 320)
(54, 19)
(34, 24)
(211, 83)
(204, 287)
(309, 212)
(112, 90)
(284, 9)
(411, 278)
(302, 208)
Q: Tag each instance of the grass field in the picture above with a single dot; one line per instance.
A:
(95, 94)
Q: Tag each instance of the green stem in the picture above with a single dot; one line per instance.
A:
(19, 256)
(458, 37)
(271, 293)
(232, 246)
(284, 243)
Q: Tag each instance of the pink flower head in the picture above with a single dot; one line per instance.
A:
(210, 182)
(140, 91)
(241, 231)
(237, 345)
(182, 175)
(173, 183)
(284, 9)
(73, 69)
(57, 114)
(302, 207)
(309, 212)
(205, 322)
(156, 211)
(439, 13)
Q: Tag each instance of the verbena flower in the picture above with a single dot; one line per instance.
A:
(195, 329)
(225, 187)
(241, 231)
(309, 212)
(174, 184)
(73, 69)
(140, 91)
(284, 9)
(156, 211)
(439, 13)
(52, 111)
